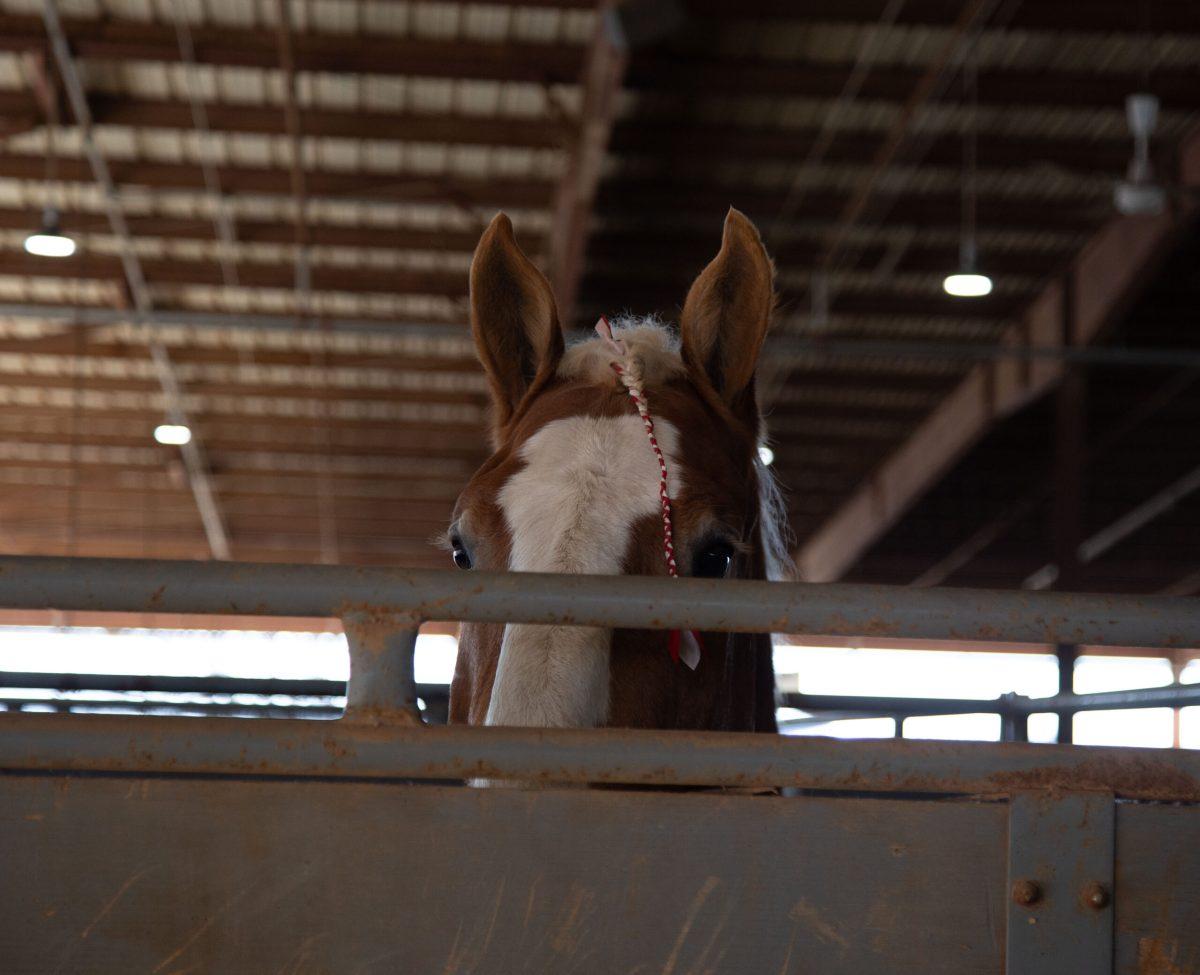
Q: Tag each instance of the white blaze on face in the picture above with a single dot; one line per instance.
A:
(572, 508)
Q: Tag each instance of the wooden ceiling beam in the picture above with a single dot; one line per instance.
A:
(652, 202)
(225, 439)
(274, 181)
(199, 387)
(603, 71)
(881, 298)
(850, 299)
(253, 274)
(398, 485)
(673, 262)
(381, 237)
(671, 144)
(365, 124)
(354, 521)
(654, 205)
(243, 503)
(1057, 16)
(999, 87)
(118, 39)
(1105, 275)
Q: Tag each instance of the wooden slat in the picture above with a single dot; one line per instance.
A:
(129, 40)
(273, 181)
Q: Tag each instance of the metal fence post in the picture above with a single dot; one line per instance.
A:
(1066, 654)
(1060, 874)
(381, 688)
(1014, 723)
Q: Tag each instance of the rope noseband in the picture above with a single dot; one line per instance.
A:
(683, 645)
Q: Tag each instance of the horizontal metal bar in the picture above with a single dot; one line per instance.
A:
(223, 746)
(169, 709)
(130, 585)
(848, 705)
(909, 707)
(215, 684)
(1174, 696)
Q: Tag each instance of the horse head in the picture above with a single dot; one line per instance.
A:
(576, 484)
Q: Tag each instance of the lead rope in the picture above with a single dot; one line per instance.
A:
(683, 645)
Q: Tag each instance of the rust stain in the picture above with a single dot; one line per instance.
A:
(1158, 957)
(1126, 775)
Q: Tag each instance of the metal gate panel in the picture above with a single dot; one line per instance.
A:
(115, 874)
(1158, 888)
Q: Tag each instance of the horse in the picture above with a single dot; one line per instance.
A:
(635, 452)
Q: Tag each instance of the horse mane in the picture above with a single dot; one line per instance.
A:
(774, 527)
(656, 345)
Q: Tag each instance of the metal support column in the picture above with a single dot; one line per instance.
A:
(1066, 654)
(381, 689)
(1060, 873)
(1014, 722)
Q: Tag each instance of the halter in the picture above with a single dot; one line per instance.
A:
(683, 645)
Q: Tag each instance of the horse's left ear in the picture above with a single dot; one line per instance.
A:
(726, 316)
(514, 319)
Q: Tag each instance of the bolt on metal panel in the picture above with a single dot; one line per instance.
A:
(1060, 870)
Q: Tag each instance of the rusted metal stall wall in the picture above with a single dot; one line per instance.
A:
(219, 845)
(167, 874)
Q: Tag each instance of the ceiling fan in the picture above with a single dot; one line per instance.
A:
(1140, 193)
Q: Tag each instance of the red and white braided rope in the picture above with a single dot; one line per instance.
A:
(628, 372)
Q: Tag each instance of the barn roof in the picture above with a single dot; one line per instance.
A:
(303, 194)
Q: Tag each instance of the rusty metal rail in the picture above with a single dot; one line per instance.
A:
(408, 597)
(381, 734)
(230, 746)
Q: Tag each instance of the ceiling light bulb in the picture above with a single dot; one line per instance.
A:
(172, 434)
(49, 244)
(968, 285)
(50, 241)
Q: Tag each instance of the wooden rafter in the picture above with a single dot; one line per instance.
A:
(132, 40)
(1106, 273)
(604, 69)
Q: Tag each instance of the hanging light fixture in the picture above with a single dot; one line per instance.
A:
(49, 240)
(967, 281)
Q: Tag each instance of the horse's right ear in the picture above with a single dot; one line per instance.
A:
(726, 317)
(514, 319)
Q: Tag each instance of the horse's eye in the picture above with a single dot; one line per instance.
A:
(462, 558)
(713, 561)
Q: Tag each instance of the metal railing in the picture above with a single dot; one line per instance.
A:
(1014, 710)
(381, 734)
